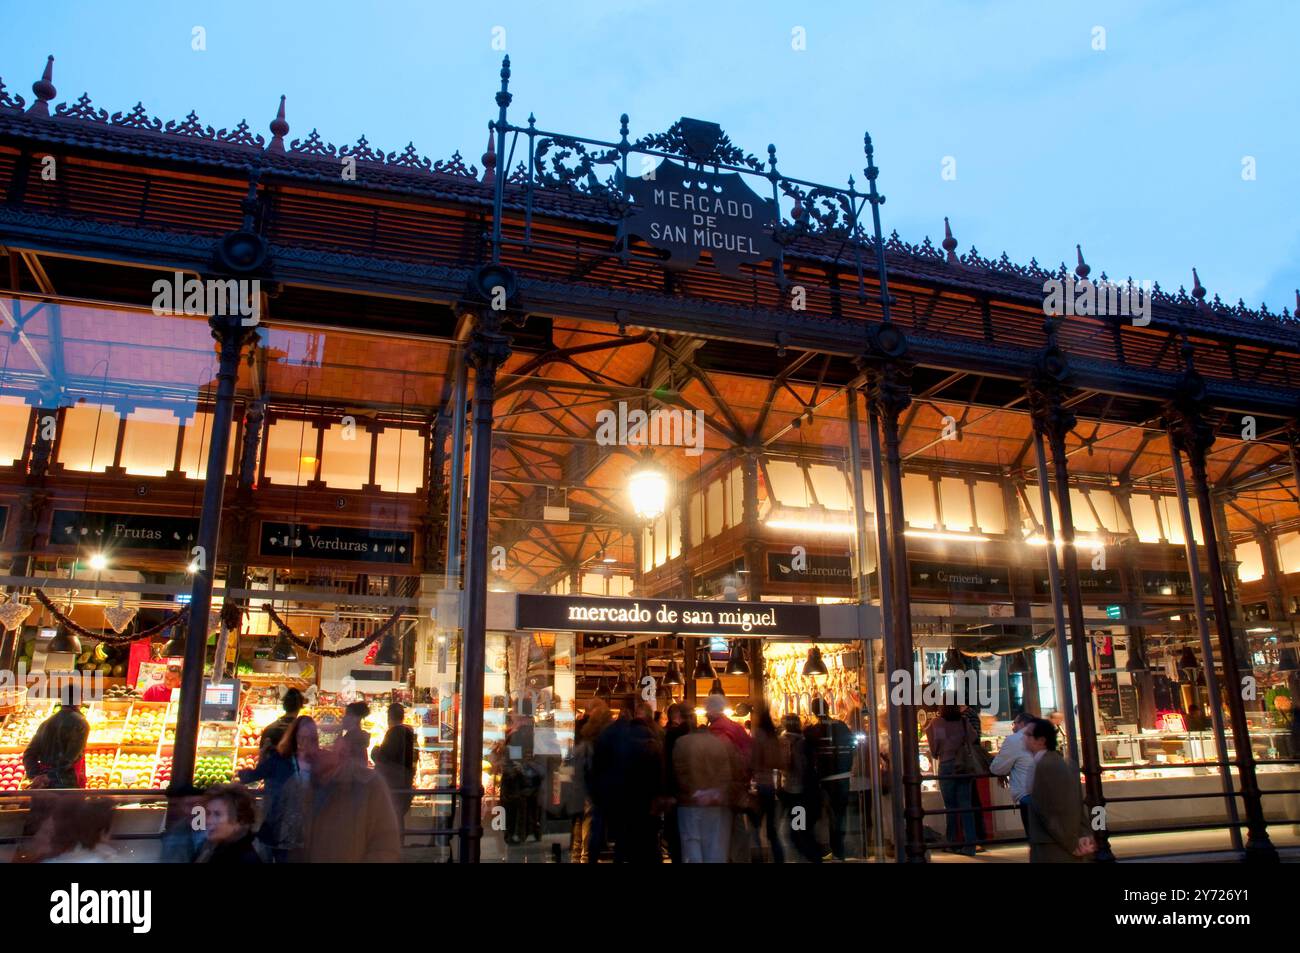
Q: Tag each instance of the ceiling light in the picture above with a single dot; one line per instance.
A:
(648, 488)
(388, 651)
(703, 666)
(98, 561)
(814, 665)
(283, 650)
(674, 675)
(64, 641)
(736, 665)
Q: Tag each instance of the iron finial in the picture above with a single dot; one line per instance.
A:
(44, 90)
(1081, 269)
(504, 97)
(622, 126)
(489, 160)
(949, 243)
(1198, 292)
(279, 129)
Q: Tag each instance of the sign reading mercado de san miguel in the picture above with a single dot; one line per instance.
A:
(687, 211)
(670, 616)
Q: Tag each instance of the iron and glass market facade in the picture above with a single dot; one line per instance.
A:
(638, 415)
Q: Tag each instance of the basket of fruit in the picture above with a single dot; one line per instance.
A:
(211, 769)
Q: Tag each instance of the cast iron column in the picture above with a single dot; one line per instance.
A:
(33, 504)
(487, 351)
(231, 334)
(1194, 437)
(890, 395)
(1055, 421)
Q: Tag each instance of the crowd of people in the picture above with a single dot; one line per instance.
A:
(320, 803)
(706, 792)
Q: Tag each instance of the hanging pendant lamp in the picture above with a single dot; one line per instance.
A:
(736, 664)
(703, 665)
(1017, 664)
(674, 675)
(283, 650)
(955, 662)
(388, 653)
(814, 665)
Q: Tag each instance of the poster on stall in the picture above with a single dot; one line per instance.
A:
(151, 674)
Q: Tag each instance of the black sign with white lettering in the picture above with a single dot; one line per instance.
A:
(686, 212)
(1090, 581)
(122, 531)
(593, 614)
(784, 566)
(952, 577)
(1163, 583)
(336, 542)
(1107, 682)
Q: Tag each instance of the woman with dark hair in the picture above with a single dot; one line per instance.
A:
(597, 717)
(229, 816)
(800, 791)
(950, 736)
(287, 768)
(767, 765)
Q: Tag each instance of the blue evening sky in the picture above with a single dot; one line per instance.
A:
(1135, 151)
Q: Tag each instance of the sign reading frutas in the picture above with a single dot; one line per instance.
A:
(686, 212)
(124, 530)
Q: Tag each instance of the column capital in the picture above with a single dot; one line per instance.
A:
(888, 386)
(489, 345)
(1190, 431)
(1047, 407)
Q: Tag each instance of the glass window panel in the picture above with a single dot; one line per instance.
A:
(399, 461)
(1084, 521)
(735, 497)
(697, 519)
(661, 540)
(620, 585)
(647, 550)
(1251, 561)
(674, 533)
(149, 443)
(713, 509)
(787, 483)
(956, 504)
(194, 447)
(990, 513)
(88, 439)
(291, 452)
(1288, 552)
(918, 501)
(831, 487)
(868, 491)
(1108, 508)
(346, 462)
(15, 416)
(593, 583)
(1146, 525)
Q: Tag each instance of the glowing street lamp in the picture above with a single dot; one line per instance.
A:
(648, 489)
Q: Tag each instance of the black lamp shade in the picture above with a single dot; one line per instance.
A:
(387, 654)
(1188, 658)
(703, 666)
(175, 646)
(814, 665)
(1017, 665)
(283, 650)
(954, 662)
(674, 675)
(716, 687)
(736, 665)
(64, 641)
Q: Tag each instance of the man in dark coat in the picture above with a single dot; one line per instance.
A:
(1058, 823)
(627, 774)
(56, 756)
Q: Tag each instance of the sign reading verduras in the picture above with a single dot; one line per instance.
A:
(336, 542)
(595, 614)
(689, 211)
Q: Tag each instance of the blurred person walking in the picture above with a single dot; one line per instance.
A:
(705, 767)
(950, 736)
(80, 833)
(739, 798)
(681, 722)
(292, 703)
(1058, 823)
(767, 765)
(626, 776)
(830, 747)
(799, 791)
(395, 760)
(596, 719)
(229, 816)
(287, 771)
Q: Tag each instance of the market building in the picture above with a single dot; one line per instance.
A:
(592, 417)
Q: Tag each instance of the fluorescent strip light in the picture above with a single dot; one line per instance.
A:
(1089, 542)
(949, 537)
(809, 526)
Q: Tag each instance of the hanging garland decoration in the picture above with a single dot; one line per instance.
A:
(171, 620)
(308, 645)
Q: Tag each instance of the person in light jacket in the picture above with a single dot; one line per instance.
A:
(1015, 762)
